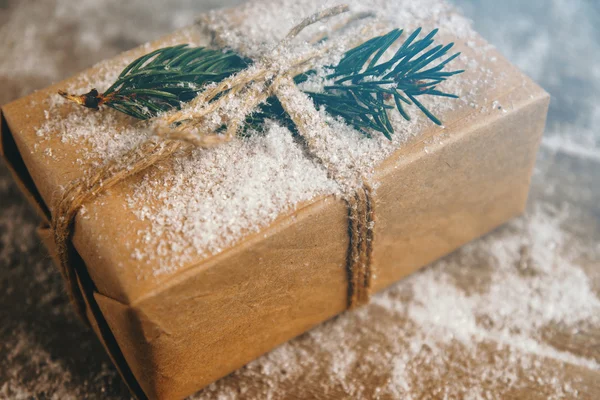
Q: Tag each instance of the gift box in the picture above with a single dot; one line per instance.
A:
(201, 263)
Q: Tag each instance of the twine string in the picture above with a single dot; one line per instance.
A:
(183, 130)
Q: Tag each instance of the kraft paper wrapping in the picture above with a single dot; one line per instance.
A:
(174, 333)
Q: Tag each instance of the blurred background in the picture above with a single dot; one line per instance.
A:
(46, 353)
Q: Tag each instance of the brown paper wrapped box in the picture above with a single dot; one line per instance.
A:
(172, 334)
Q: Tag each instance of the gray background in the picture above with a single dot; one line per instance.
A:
(46, 353)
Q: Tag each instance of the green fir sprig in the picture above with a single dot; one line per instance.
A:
(163, 80)
(362, 92)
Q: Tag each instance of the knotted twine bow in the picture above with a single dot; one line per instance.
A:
(254, 85)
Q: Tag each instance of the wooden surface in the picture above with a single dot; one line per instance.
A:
(360, 354)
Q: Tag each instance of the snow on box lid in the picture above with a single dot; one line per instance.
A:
(189, 208)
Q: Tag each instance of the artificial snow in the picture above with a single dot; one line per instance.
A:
(210, 200)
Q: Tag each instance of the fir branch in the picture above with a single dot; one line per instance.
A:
(363, 91)
(163, 79)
